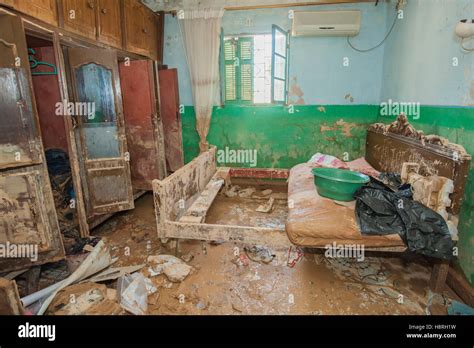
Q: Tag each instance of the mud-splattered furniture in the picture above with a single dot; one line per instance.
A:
(314, 221)
(183, 199)
(389, 146)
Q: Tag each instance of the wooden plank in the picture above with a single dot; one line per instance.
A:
(183, 184)
(240, 234)
(259, 173)
(198, 210)
(438, 276)
(10, 303)
(459, 284)
(158, 126)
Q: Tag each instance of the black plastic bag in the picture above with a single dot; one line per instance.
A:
(381, 211)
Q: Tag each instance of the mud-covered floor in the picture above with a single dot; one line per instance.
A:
(382, 284)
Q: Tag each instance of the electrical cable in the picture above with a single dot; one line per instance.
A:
(384, 39)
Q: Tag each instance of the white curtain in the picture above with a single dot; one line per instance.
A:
(201, 29)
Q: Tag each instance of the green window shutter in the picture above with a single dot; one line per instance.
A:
(280, 45)
(245, 82)
(230, 70)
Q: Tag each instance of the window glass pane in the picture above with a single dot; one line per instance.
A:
(280, 43)
(262, 69)
(95, 87)
(279, 90)
(280, 67)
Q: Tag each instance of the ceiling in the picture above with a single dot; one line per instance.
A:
(173, 5)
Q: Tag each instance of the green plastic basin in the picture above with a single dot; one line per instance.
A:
(338, 184)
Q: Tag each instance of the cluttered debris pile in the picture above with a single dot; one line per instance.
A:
(63, 190)
(96, 287)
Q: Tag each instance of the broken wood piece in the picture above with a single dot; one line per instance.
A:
(13, 274)
(32, 279)
(438, 276)
(10, 303)
(274, 237)
(198, 210)
(460, 285)
(267, 207)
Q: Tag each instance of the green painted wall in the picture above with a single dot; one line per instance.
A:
(283, 139)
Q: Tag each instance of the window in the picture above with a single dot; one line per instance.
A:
(255, 68)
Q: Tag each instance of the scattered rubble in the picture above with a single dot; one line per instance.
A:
(177, 272)
(232, 191)
(175, 269)
(259, 254)
(85, 299)
(241, 260)
(247, 193)
(267, 207)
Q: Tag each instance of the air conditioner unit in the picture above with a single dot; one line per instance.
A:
(326, 23)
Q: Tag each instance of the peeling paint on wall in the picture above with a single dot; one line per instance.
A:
(343, 127)
(295, 93)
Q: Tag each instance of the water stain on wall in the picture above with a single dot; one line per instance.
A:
(295, 93)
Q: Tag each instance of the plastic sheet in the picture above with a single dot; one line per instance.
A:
(381, 211)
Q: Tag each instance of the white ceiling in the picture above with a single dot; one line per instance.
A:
(172, 5)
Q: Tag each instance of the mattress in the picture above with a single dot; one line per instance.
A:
(315, 221)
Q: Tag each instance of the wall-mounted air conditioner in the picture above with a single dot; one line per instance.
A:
(326, 23)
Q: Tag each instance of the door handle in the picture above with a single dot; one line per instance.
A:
(104, 11)
(90, 3)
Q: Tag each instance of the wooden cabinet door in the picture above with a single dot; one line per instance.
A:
(104, 155)
(28, 221)
(141, 29)
(135, 28)
(80, 17)
(44, 10)
(151, 35)
(171, 118)
(109, 27)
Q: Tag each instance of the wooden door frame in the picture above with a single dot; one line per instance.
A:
(158, 124)
(32, 28)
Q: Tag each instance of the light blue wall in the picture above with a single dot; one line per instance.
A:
(418, 59)
(316, 63)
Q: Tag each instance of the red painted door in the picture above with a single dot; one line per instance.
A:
(169, 103)
(142, 123)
